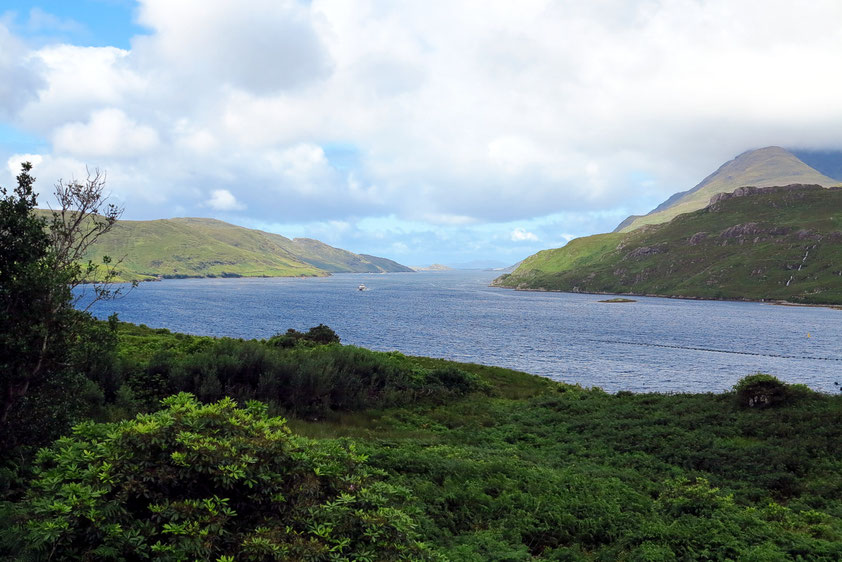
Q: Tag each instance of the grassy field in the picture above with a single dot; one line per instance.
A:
(773, 244)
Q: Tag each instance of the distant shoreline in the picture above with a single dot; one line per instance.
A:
(184, 277)
(690, 298)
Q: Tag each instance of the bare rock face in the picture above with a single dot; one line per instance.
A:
(796, 189)
(644, 251)
(697, 238)
(740, 230)
(739, 192)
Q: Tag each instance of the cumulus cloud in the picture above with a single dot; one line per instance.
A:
(224, 200)
(521, 235)
(264, 46)
(109, 132)
(459, 114)
(20, 78)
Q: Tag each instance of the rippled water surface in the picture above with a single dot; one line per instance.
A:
(662, 345)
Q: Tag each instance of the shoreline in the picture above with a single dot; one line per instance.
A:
(777, 302)
(184, 277)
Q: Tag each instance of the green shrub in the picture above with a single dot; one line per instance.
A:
(456, 380)
(197, 481)
(317, 335)
(301, 379)
(760, 391)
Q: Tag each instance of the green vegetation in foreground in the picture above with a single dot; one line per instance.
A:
(195, 247)
(409, 458)
(781, 243)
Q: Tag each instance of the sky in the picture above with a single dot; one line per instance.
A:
(423, 131)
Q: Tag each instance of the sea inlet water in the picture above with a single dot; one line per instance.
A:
(652, 345)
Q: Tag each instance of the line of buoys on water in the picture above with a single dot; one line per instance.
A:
(721, 350)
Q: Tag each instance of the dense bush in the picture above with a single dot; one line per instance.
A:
(528, 470)
(760, 391)
(302, 379)
(204, 482)
(317, 335)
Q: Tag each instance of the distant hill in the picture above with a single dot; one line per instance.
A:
(764, 167)
(434, 267)
(773, 243)
(199, 247)
(510, 268)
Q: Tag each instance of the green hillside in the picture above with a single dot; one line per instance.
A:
(385, 457)
(774, 243)
(759, 168)
(198, 247)
(334, 260)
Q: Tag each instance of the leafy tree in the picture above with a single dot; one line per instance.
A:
(41, 262)
(209, 482)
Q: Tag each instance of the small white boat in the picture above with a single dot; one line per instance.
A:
(362, 287)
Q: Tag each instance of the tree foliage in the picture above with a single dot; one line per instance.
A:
(760, 391)
(41, 262)
(317, 335)
(207, 482)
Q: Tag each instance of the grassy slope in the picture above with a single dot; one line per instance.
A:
(196, 247)
(525, 469)
(582, 475)
(335, 260)
(538, 470)
(663, 260)
(761, 168)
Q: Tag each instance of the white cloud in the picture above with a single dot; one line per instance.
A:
(459, 113)
(224, 200)
(108, 132)
(300, 163)
(79, 81)
(400, 248)
(522, 235)
(14, 162)
(19, 74)
(264, 46)
(448, 219)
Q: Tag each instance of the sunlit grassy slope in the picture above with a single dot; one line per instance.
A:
(198, 247)
(774, 243)
(527, 469)
(764, 167)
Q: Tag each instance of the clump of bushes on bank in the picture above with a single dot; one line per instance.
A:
(208, 482)
(765, 391)
(299, 374)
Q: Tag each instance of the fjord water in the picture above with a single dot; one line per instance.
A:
(652, 345)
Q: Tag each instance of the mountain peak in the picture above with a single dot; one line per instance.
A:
(761, 167)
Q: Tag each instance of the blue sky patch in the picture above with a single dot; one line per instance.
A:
(88, 23)
(13, 140)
